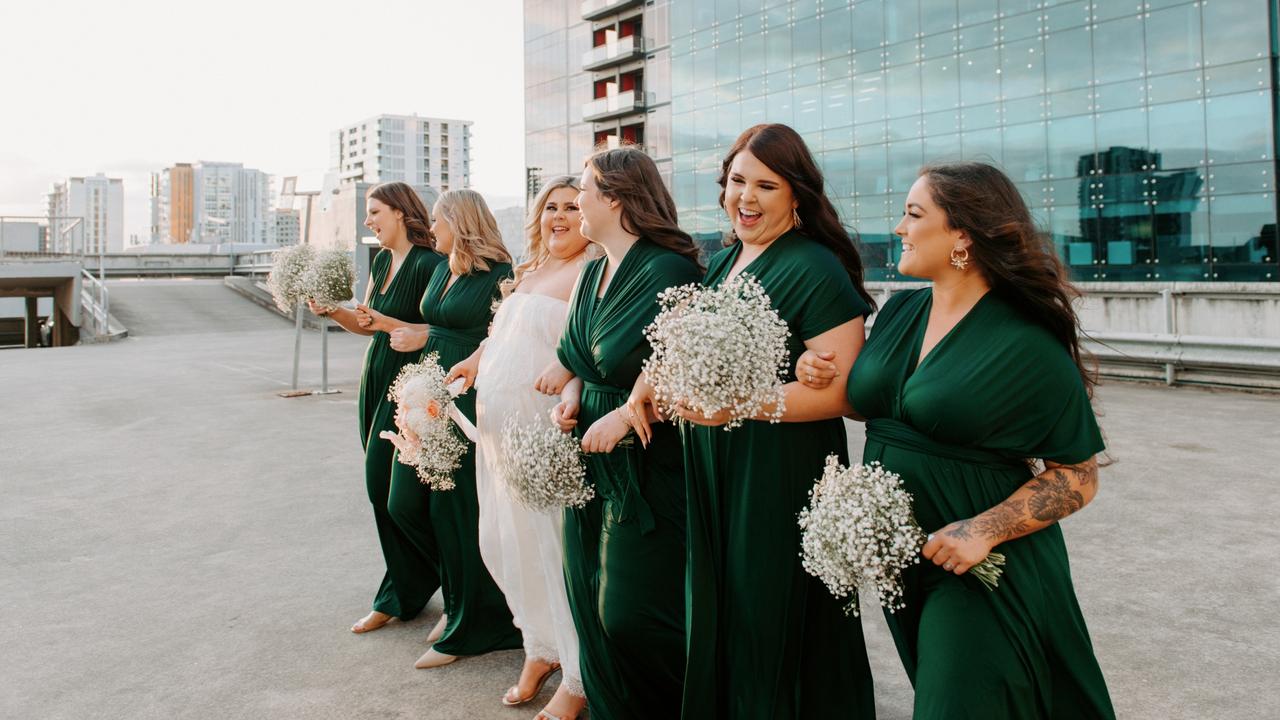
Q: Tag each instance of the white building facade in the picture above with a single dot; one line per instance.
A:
(231, 204)
(405, 148)
(86, 214)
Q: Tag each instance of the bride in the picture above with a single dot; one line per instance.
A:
(523, 549)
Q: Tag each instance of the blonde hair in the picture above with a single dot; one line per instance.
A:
(476, 239)
(535, 244)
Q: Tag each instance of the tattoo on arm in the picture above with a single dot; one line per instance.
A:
(962, 531)
(1002, 522)
(1053, 496)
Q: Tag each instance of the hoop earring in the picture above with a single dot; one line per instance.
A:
(795, 219)
(960, 258)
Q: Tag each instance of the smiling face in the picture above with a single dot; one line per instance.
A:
(386, 222)
(595, 210)
(561, 224)
(442, 231)
(758, 200)
(927, 241)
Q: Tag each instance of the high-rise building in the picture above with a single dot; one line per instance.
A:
(229, 203)
(1142, 135)
(405, 148)
(173, 204)
(86, 214)
(596, 73)
(286, 228)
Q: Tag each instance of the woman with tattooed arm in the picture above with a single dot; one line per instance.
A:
(961, 383)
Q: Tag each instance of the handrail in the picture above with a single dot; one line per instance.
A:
(99, 307)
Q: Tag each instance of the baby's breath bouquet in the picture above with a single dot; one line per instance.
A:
(329, 278)
(288, 266)
(426, 436)
(718, 349)
(544, 468)
(859, 532)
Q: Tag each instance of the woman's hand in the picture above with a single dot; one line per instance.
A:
(565, 414)
(466, 369)
(642, 409)
(697, 418)
(370, 319)
(957, 547)
(405, 339)
(815, 370)
(552, 379)
(605, 434)
(318, 309)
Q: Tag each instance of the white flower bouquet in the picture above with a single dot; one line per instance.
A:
(719, 349)
(329, 278)
(425, 420)
(543, 466)
(859, 532)
(288, 266)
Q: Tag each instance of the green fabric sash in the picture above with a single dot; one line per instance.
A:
(896, 433)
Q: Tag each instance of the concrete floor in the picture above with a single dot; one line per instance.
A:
(177, 541)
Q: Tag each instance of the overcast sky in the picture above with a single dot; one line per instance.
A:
(127, 88)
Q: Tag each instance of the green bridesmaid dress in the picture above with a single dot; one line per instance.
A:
(766, 639)
(958, 427)
(413, 573)
(479, 619)
(624, 553)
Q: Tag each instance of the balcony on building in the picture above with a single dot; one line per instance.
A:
(614, 46)
(615, 98)
(596, 9)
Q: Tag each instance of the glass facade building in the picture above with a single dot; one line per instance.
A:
(1142, 134)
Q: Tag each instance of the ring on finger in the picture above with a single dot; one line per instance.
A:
(949, 566)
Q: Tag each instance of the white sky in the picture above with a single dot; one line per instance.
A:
(127, 88)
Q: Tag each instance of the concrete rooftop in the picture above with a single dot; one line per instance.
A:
(177, 541)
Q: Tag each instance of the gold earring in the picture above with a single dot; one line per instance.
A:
(960, 258)
(795, 219)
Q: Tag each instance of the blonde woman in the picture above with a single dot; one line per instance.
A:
(524, 549)
(458, 307)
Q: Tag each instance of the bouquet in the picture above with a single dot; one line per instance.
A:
(717, 349)
(288, 267)
(329, 278)
(425, 422)
(859, 532)
(544, 468)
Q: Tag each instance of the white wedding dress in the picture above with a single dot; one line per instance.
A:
(523, 549)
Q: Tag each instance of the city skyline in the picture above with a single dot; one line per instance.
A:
(111, 102)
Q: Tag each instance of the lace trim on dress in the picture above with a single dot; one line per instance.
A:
(543, 653)
(573, 685)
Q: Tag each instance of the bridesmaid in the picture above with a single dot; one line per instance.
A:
(960, 383)
(458, 307)
(398, 278)
(523, 549)
(766, 639)
(624, 552)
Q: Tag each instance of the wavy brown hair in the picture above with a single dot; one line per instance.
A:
(535, 244)
(783, 151)
(417, 220)
(1017, 259)
(629, 176)
(476, 238)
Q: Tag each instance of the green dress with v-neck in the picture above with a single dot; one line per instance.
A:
(412, 574)
(766, 639)
(479, 618)
(624, 552)
(958, 427)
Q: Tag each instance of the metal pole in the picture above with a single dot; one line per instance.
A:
(297, 343)
(1166, 300)
(324, 354)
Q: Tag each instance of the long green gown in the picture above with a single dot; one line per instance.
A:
(766, 639)
(624, 552)
(413, 573)
(997, 389)
(479, 619)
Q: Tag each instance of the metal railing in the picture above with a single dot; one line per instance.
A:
(95, 302)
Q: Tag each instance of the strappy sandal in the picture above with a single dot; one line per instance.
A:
(515, 689)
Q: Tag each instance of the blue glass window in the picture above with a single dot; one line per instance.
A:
(1173, 38)
(1177, 133)
(1234, 31)
(1237, 128)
